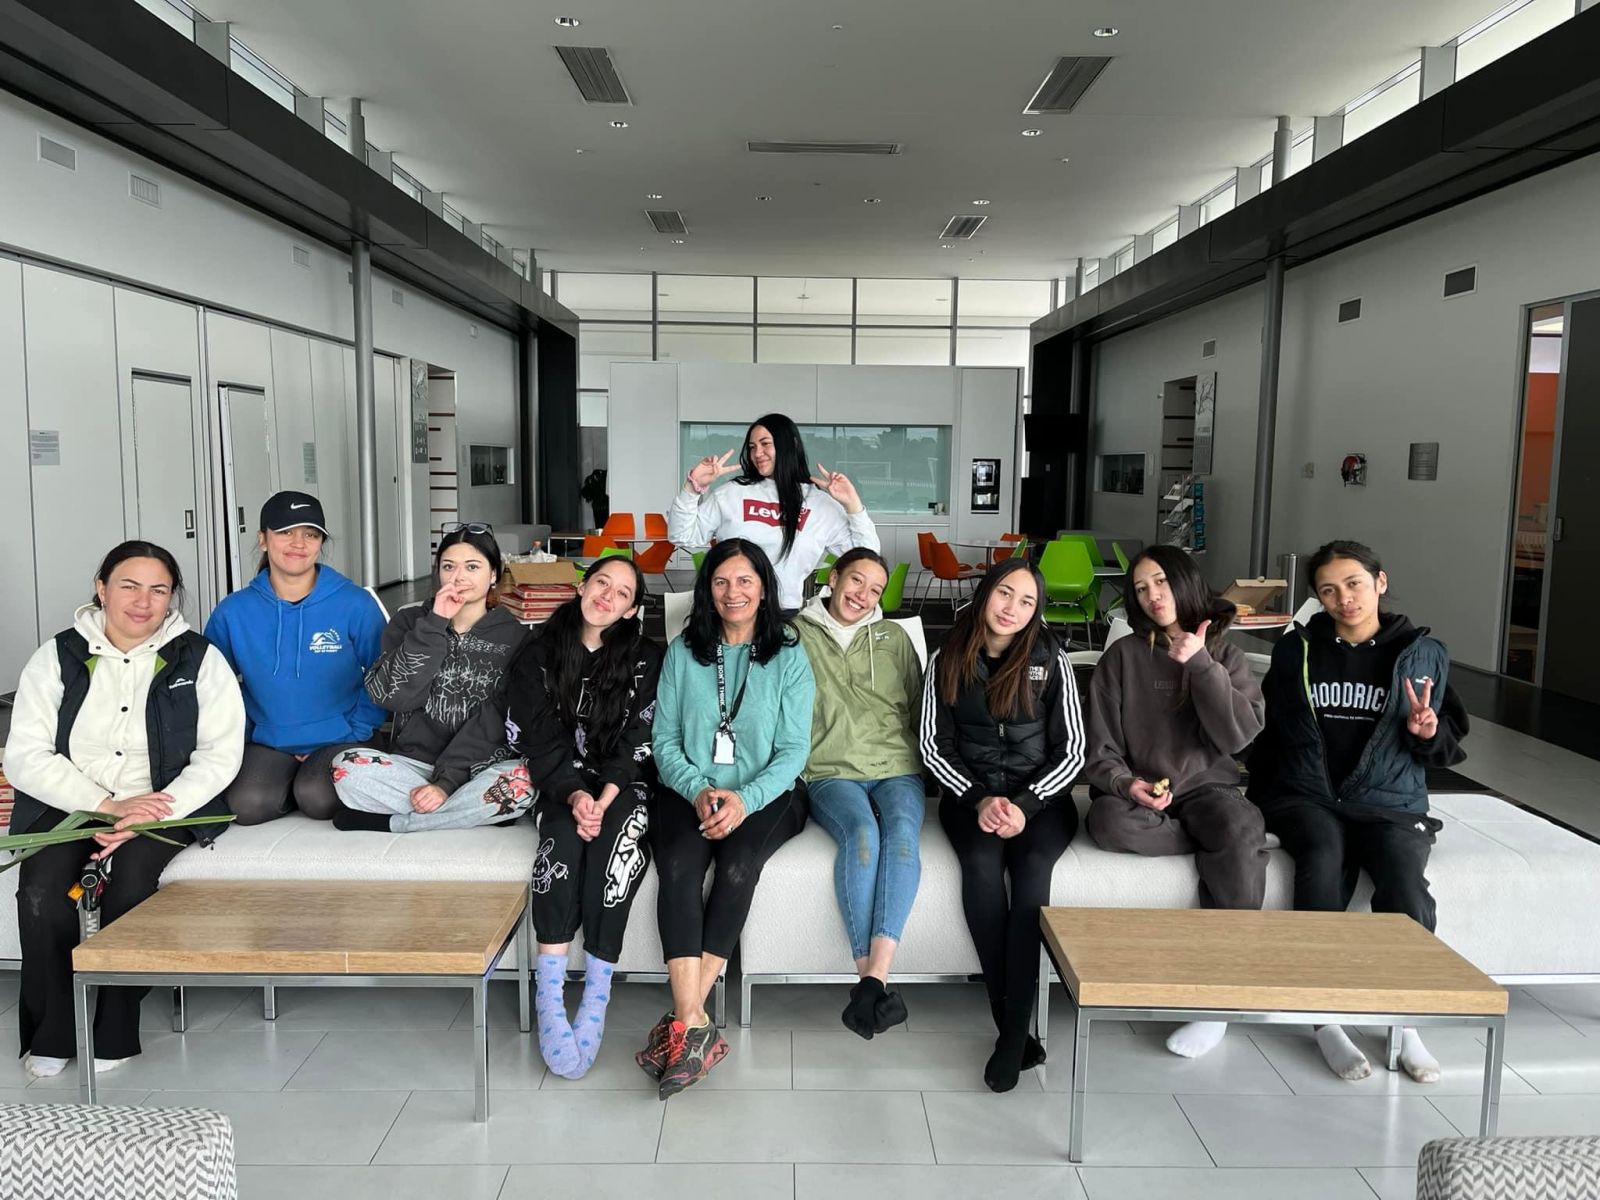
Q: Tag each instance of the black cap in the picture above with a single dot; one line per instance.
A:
(291, 510)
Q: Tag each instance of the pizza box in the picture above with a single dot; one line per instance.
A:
(1253, 595)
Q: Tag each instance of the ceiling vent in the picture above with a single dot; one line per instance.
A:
(1461, 283)
(1208, 348)
(803, 147)
(302, 257)
(146, 190)
(666, 220)
(962, 227)
(1068, 80)
(397, 296)
(53, 151)
(592, 70)
(1350, 310)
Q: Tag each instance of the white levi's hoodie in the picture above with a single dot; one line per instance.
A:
(750, 511)
(113, 718)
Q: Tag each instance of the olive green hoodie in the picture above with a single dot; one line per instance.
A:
(868, 683)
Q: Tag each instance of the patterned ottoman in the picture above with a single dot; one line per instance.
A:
(115, 1152)
(1509, 1168)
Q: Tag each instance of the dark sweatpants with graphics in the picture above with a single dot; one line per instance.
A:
(593, 883)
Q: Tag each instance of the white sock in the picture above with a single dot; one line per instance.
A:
(108, 1064)
(1415, 1059)
(1343, 1057)
(41, 1066)
(1196, 1038)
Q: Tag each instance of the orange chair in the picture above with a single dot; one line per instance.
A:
(653, 561)
(925, 560)
(618, 526)
(655, 526)
(1001, 553)
(593, 546)
(947, 569)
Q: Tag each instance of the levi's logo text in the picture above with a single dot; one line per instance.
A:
(768, 512)
(325, 641)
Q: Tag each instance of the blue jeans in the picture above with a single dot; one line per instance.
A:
(878, 825)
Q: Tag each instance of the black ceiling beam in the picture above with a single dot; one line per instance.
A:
(1536, 108)
(118, 69)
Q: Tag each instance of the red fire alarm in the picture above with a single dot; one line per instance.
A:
(1354, 470)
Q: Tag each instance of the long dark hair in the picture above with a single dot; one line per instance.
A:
(1008, 692)
(1192, 598)
(609, 669)
(484, 544)
(704, 630)
(789, 470)
(138, 548)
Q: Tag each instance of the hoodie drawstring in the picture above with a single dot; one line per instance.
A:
(277, 640)
(300, 637)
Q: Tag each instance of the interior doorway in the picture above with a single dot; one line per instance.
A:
(1175, 516)
(246, 475)
(444, 458)
(1544, 334)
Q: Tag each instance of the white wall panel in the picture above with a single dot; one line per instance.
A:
(336, 457)
(19, 616)
(293, 411)
(990, 402)
(642, 439)
(72, 389)
(741, 392)
(891, 395)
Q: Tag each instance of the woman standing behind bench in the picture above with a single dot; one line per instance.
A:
(1001, 731)
(581, 703)
(1358, 707)
(732, 730)
(129, 713)
(1169, 707)
(864, 776)
(442, 674)
(300, 636)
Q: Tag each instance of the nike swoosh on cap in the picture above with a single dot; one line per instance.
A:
(298, 507)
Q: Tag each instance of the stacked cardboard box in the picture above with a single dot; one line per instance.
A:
(531, 591)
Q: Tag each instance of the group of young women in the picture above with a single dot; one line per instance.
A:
(716, 751)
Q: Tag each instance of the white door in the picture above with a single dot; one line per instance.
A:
(247, 476)
(168, 504)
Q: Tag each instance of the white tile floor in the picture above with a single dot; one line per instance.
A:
(363, 1094)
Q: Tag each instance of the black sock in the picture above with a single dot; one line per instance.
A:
(1032, 1054)
(353, 819)
(889, 1011)
(1005, 1064)
(858, 1016)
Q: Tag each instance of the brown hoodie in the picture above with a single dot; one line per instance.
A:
(1152, 718)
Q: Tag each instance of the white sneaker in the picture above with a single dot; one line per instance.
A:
(102, 1065)
(42, 1066)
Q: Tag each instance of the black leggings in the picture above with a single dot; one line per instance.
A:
(693, 923)
(1330, 851)
(590, 883)
(272, 782)
(47, 922)
(1005, 932)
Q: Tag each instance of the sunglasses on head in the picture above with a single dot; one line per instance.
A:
(475, 527)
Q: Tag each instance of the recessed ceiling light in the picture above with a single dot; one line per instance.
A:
(619, 124)
(677, 241)
(568, 22)
(836, 28)
(871, 200)
(946, 246)
(1032, 132)
(578, 151)
(653, 196)
(980, 202)
(763, 197)
(1106, 31)
(1066, 160)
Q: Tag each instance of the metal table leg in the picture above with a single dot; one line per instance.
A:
(83, 1019)
(1080, 1080)
(269, 1002)
(719, 1002)
(480, 1049)
(180, 1011)
(744, 1001)
(1494, 1057)
(1392, 1051)
(1041, 1011)
(525, 969)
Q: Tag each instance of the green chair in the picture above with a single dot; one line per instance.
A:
(1021, 550)
(1069, 585)
(608, 552)
(1122, 557)
(894, 589)
(699, 557)
(826, 569)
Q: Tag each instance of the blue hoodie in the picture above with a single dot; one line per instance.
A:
(301, 666)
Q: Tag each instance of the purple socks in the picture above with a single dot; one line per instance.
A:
(590, 1024)
(570, 1049)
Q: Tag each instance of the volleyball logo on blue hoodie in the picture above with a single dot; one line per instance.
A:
(325, 641)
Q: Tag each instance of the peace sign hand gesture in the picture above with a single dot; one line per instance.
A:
(1421, 722)
(1186, 645)
(838, 485)
(710, 469)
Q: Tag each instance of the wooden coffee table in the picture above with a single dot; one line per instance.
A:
(1270, 968)
(311, 934)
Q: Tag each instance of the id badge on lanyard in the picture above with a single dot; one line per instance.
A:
(722, 741)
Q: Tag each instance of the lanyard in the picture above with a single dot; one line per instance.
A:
(722, 692)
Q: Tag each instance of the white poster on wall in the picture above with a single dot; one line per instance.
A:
(1205, 415)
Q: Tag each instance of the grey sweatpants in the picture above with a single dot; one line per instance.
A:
(1217, 825)
(379, 782)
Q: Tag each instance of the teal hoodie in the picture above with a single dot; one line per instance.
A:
(301, 665)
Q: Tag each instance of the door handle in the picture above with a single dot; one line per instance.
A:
(1557, 529)
(188, 522)
(242, 529)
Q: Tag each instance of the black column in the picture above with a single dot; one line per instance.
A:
(557, 439)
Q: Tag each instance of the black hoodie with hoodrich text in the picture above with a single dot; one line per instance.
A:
(1336, 718)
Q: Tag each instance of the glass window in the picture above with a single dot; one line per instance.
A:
(903, 302)
(1511, 31)
(1387, 104)
(407, 185)
(605, 297)
(1002, 301)
(1091, 277)
(1123, 260)
(1299, 153)
(903, 347)
(247, 66)
(705, 343)
(182, 22)
(896, 468)
(452, 218)
(787, 344)
(993, 348)
(1222, 202)
(796, 301)
(592, 410)
(1164, 237)
(705, 297)
(1266, 174)
(600, 345)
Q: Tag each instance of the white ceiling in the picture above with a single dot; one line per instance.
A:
(473, 100)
